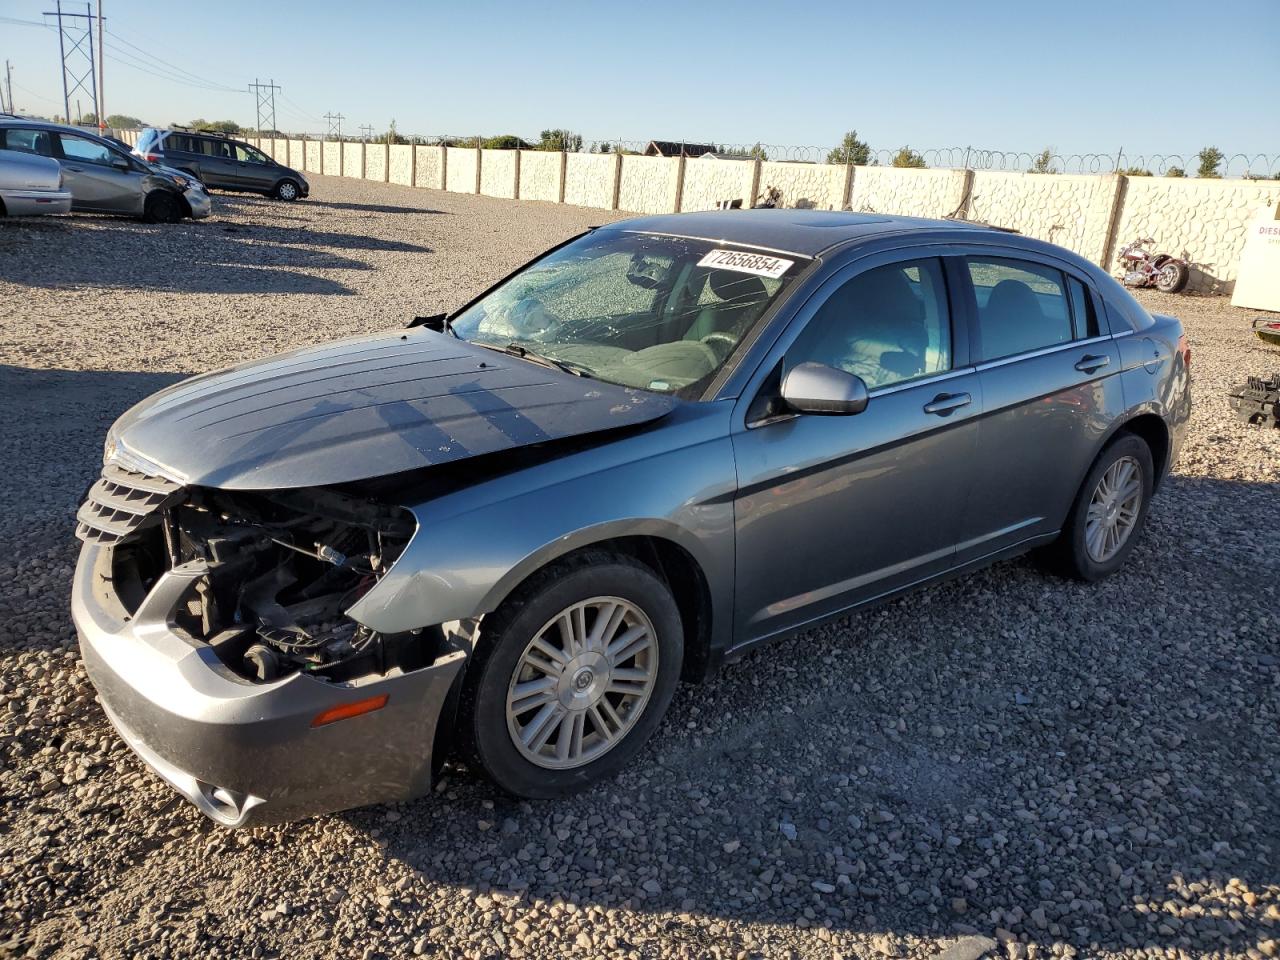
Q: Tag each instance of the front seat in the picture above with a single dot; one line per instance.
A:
(876, 328)
(737, 295)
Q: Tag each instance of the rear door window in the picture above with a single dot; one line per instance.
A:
(29, 141)
(1022, 306)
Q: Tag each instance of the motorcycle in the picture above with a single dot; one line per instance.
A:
(1142, 268)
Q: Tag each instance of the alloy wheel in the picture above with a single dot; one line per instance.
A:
(582, 683)
(287, 191)
(1113, 509)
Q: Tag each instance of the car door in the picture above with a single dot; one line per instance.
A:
(218, 163)
(254, 169)
(1048, 369)
(99, 177)
(836, 510)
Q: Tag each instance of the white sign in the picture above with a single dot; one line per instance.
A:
(760, 264)
(1258, 278)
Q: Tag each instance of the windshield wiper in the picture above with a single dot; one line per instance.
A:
(524, 353)
(514, 349)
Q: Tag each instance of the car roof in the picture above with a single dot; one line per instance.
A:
(804, 232)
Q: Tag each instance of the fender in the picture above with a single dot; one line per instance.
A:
(475, 545)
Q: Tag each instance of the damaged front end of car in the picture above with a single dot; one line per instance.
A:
(214, 625)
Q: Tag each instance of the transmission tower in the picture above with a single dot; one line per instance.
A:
(75, 44)
(335, 124)
(366, 130)
(266, 95)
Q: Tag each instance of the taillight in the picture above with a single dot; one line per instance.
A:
(1184, 348)
(153, 158)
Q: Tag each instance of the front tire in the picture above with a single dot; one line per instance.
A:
(287, 191)
(161, 207)
(571, 676)
(1109, 512)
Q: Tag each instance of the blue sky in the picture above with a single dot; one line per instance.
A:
(1085, 76)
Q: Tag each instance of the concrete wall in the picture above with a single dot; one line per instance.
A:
(812, 186)
(401, 164)
(431, 167)
(913, 193)
(1092, 215)
(649, 184)
(1071, 211)
(353, 159)
(375, 161)
(1207, 218)
(312, 151)
(332, 159)
(708, 181)
(498, 170)
(589, 179)
(461, 169)
(540, 172)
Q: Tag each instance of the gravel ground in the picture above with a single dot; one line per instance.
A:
(1073, 771)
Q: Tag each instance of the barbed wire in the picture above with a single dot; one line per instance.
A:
(1232, 165)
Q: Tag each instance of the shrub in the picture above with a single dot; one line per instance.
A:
(1175, 172)
(906, 157)
(1134, 172)
(122, 120)
(508, 141)
(1043, 162)
(560, 140)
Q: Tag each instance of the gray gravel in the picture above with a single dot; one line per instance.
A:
(1069, 770)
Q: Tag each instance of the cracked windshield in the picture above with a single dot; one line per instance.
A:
(659, 313)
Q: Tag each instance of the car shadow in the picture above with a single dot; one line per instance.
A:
(67, 252)
(376, 207)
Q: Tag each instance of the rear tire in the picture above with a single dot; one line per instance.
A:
(161, 207)
(540, 715)
(1108, 514)
(1172, 276)
(287, 191)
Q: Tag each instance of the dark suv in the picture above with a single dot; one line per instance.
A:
(222, 162)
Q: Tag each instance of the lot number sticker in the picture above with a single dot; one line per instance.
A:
(759, 264)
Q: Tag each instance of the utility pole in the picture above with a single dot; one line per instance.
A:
(8, 79)
(75, 45)
(266, 97)
(102, 76)
(366, 130)
(335, 124)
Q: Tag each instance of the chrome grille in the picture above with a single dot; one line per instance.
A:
(120, 502)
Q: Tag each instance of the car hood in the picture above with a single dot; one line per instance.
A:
(362, 408)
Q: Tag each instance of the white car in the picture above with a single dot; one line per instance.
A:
(31, 185)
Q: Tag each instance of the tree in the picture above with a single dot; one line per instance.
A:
(906, 157)
(1134, 172)
(508, 141)
(1043, 162)
(391, 136)
(1210, 158)
(605, 147)
(216, 126)
(851, 150)
(89, 119)
(1175, 172)
(559, 139)
(122, 120)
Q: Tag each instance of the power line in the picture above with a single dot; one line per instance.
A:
(192, 78)
(335, 124)
(366, 130)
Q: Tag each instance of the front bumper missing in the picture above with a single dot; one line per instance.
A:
(245, 753)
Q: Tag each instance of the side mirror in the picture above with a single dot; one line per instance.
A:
(120, 163)
(817, 388)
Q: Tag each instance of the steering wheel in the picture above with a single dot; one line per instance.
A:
(720, 343)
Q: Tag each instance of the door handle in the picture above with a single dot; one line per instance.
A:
(76, 169)
(944, 404)
(1091, 362)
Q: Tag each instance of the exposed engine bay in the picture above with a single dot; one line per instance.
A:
(279, 570)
